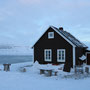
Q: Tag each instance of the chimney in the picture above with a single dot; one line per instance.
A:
(61, 28)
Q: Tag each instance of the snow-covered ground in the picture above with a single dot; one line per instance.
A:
(32, 80)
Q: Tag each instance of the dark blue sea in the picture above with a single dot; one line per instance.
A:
(11, 59)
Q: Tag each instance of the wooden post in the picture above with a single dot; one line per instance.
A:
(56, 73)
(6, 67)
(87, 70)
(41, 71)
(75, 70)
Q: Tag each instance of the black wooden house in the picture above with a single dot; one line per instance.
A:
(57, 46)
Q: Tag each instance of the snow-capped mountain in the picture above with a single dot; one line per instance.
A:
(15, 50)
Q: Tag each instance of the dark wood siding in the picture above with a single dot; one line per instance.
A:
(79, 53)
(57, 43)
(88, 58)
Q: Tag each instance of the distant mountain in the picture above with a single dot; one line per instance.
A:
(15, 50)
(21, 50)
(5, 47)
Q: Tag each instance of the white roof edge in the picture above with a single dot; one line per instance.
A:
(64, 37)
(59, 34)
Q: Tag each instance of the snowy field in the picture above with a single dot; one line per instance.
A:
(32, 80)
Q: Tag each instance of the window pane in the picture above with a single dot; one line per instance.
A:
(50, 34)
(48, 55)
(62, 58)
(61, 55)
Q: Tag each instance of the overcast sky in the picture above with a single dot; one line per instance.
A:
(23, 21)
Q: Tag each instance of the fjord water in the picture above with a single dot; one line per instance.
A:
(11, 59)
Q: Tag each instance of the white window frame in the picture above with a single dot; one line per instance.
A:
(45, 58)
(49, 35)
(61, 50)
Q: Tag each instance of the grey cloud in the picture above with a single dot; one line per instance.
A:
(24, 23)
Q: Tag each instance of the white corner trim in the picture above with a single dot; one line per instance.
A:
(74, 57)
(74, 47)
(33, 54)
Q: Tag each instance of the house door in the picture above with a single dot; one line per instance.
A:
(88, 58)
(48, 55)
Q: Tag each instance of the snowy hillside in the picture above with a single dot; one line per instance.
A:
(15, 50)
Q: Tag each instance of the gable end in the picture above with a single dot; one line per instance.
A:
(59, 34)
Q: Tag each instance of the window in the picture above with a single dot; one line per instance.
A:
(47, 54)
(61, 55)
(50, 35)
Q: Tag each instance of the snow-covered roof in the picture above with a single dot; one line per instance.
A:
(70, 37)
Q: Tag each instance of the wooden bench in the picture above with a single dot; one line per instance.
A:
(48, 72)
